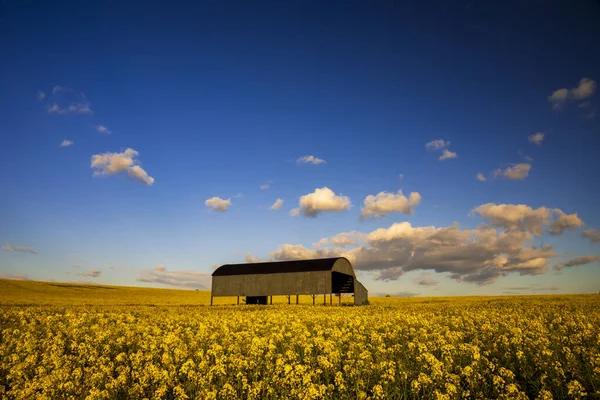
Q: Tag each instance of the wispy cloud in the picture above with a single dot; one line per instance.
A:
(437, 144)
(22, 249)
(266, 186)
(447, 154)
(480, 177)
(585, 90)
(114, 163)
(310, 160)
(66, 143)
(218, 204)
(578, 261)
(426, 280)
(277, 205)
(63, 100)
(592, 234)
(441, 144)
(536, 138)
(103, 129)
(516, 172)
(93, 273)
(187, 279)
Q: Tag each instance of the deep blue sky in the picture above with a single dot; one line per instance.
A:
(221, 97)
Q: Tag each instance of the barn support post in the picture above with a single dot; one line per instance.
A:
(330, 299)
(340, 299)
(211, 299)
(324, 299)
(271, 300)
(238, 301)
(297, 296)
(313, 297)
(288, 297)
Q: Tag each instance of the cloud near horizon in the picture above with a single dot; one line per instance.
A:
(22, 249)
(186, 279)
(93, 273)
(479, 255)
(575, 262)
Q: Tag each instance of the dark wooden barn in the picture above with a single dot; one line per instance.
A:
(258, 282)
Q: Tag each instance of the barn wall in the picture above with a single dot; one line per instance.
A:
(361, 295)
(342, 265)
(313, 282)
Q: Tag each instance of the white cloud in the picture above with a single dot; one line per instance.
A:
(480, 177)
(93, 273)
(22, 249)
(66, 143)
(536, 138)
(564, 222)
(447, 154)
(558, 97)
(138, 173)
(383, 203)
(585, 90)
(592, 234)
(516, 172)
(294, 212)
(526, 219)
(323, 200)
(187, 279)
(437, 144)
(515, 217)
(310, 160)
(218, 204)
(251, 259)
(321, 243)
(479, 255)
(265, 186)
(114, 163)
(41, 95)
(575, 262)
(102, 129)
(277, 205)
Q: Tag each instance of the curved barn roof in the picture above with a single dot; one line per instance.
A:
(320, 264)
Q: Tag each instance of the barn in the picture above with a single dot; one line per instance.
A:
(259, 282)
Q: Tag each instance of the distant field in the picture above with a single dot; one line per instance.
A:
(54, 293)
(60, 341)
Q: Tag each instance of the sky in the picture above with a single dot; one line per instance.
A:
(447, 148)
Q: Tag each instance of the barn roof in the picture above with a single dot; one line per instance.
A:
(320, 264)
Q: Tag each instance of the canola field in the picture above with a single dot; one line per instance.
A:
(75, 342)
